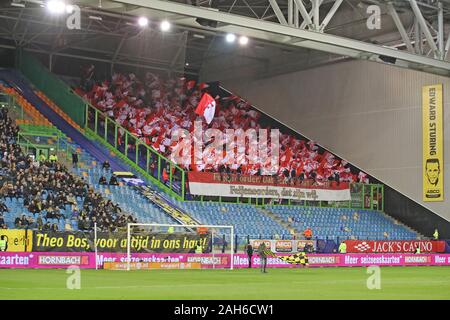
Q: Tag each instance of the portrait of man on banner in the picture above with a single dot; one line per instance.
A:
(433, 143)
(432, 170)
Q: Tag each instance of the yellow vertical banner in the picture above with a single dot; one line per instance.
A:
(433, 143)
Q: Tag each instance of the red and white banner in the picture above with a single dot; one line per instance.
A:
(426, 246)
(233, 185)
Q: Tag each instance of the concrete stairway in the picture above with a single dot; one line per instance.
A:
(282, 222)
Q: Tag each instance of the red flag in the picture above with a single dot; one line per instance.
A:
(203, 85)
(190, 84)
(287, 157)
(206, 107)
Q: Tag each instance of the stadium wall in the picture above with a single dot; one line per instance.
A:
(369, 114)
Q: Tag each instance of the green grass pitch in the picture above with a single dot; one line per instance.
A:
(296, 283)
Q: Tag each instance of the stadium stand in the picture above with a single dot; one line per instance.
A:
(247, 219)
(145, 210)
(15, 80)
(152, 107)
(41, 193)
(76, 214)
(343, 223)
(250, 221)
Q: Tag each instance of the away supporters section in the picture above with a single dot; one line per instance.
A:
(207, 261)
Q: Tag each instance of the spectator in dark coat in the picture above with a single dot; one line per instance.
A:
(75, 159)
(249, 254)
(113, 181)
(3, 207)
(106, 165)
(102, 180)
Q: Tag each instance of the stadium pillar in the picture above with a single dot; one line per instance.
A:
(159, 168)
(95, 244)
(290, 12)
(362, 195)
(21, 110)
(126, 144)
(105, 135)
(182, 185)
(147, 161)
(170, 175)
(136, 145)
(86, 112)
(26, 238)
(115, 135)
(223, 243)
(96, 121)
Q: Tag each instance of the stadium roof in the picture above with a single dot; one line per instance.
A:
(282, 39)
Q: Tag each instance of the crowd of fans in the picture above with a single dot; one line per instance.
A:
(153, 107)
(47, 188)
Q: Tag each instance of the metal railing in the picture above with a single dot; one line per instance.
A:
(154, 166)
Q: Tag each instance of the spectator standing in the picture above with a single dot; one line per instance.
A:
(53, 158)
(42, 157)
(342, 247)
(2, 220)
(417, 249)
(436, 234)
(263, 256)
(3, 207)
(39, 222)
(75, 158)
(165, 176)
(113, 181)
(106, 165)
(308, 233)
(249, 255)
(3, 243)
(102, 180)
(18, 223)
